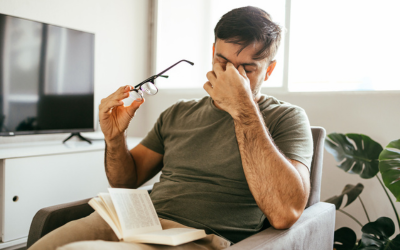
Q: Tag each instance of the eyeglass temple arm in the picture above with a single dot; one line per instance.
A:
(152, 78)
(172, 67)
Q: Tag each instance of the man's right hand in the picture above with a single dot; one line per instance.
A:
(114, 117)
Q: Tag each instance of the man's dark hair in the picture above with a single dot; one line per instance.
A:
(249, 24)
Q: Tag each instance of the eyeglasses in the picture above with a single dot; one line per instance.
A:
(148, 86)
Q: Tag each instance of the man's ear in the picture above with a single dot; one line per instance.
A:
(270, 68)
(213, 51)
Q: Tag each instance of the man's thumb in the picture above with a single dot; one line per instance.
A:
(134, 106)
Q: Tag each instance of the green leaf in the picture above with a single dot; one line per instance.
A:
(389, 166)
(344, 239)
(393, 244)
(352, 193)
(359, 158)
(376, 234)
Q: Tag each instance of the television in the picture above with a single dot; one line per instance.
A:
(46, 78)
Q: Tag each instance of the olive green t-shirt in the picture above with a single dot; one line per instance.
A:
(202, 184)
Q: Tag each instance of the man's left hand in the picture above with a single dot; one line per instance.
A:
(229, 88)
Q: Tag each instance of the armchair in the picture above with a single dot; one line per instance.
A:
(314, 229)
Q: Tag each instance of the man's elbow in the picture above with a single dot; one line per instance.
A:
(120, 184)
(286, 219)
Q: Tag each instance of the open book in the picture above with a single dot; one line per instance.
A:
(131, 214)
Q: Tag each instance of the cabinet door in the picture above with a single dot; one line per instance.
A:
(32, 183)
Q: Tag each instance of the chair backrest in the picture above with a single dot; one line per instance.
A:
(318, 134)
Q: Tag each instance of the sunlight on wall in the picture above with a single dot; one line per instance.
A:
(344, 45)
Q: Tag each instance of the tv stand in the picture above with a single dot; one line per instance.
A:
(79, 136)
(59, 172)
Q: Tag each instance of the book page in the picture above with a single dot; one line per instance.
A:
(106, 198)
(135, 211)
(98, 205)
(172, 236)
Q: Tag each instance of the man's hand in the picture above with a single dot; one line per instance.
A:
(114, 117)
(230, 88)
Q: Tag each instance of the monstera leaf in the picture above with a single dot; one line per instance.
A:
(389, 166)
(359, 158)
(344, 239)
(376, 235)
(352, 193)
(394, 244)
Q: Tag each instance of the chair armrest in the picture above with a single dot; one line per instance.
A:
(313, 230)
(49, 218)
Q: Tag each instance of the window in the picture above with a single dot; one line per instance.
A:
(337, 45)
(344, 45)
(185, 30)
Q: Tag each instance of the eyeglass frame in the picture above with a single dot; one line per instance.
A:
(151, 79)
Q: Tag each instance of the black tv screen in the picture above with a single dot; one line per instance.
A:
(46, 78)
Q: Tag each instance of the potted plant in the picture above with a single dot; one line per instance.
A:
(359, 154)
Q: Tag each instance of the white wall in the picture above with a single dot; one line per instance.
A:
(121, 35)
(372, 114)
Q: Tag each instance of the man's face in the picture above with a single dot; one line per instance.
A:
(256, 70)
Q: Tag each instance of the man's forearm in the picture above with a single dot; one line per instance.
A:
(274, 182)
(119, 164)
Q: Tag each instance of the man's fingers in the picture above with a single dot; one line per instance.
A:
(137, 103)
(230, 66)
(134, 106)
(208, 88)
(242, 71)
(120, 96)
(211, 76)
(121, 93)
(107, 106)
(120, 90)
(217, 68)
(126, 88)
(115, 99)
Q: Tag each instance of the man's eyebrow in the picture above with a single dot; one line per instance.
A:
(243, 64)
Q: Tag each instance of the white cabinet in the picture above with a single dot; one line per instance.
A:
(38, 175)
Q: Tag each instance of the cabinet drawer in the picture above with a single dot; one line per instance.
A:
(32, 183)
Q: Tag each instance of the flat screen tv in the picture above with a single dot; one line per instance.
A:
(46, 78)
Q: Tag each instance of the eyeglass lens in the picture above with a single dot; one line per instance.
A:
(136, 94)
(148, 88)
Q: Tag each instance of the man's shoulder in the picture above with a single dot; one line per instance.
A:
(271, 105)
(185, 105)
(190, 103)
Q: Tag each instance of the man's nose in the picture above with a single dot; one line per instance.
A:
(235, 65)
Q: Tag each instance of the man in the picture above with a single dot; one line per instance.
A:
(230, 162)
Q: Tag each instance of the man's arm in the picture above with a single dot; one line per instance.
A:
(124, 168)
(279, 185)
(130, 169)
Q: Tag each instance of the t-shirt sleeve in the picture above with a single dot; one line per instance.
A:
(292, 135)
(154, 139)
